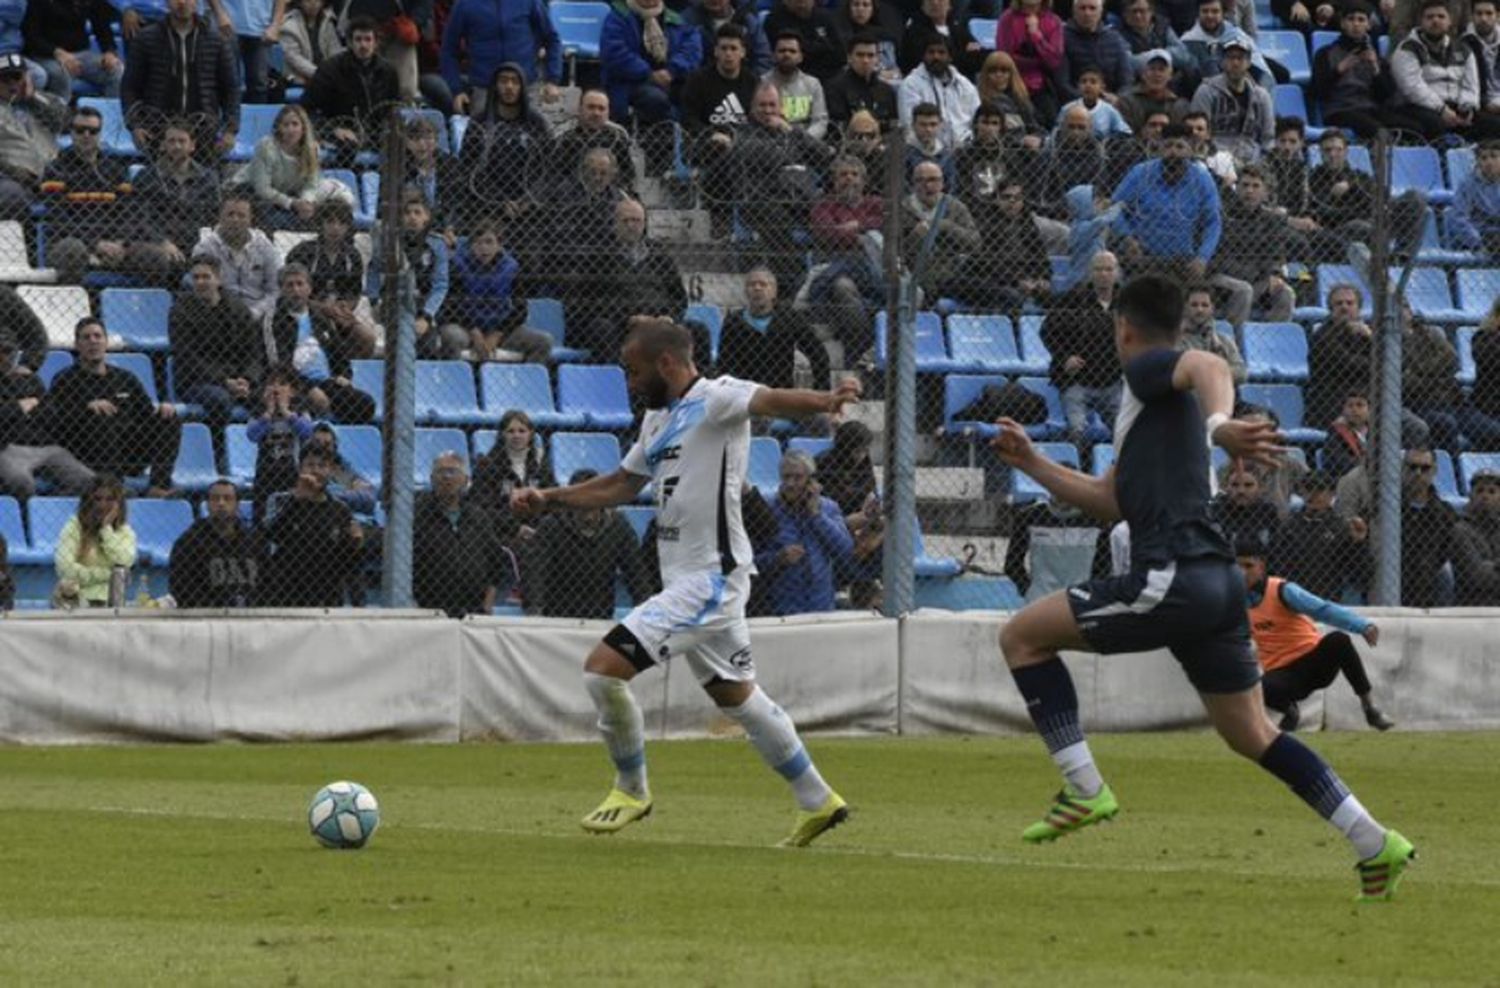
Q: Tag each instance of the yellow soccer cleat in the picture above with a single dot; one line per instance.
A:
(833, 812)
(618, 811)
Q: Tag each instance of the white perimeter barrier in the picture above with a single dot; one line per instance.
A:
(371, 674)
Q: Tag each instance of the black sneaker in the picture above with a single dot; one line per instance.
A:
(1377, 719)
(1290, 717)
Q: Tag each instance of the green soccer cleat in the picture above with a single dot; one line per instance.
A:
(618, 811)
(1379, 876)
(1071, 812)
(833, 812)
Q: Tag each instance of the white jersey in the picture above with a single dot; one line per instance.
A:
(696, 452)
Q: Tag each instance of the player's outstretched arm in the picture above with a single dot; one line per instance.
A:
(1208, 376)
(605, 491)
(798, 403)
(1093, 495)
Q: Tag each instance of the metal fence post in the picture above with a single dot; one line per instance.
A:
(398, 316)
(898, 563)
(1385, 465)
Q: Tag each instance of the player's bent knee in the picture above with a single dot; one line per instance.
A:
(605, 660)
(727, 693)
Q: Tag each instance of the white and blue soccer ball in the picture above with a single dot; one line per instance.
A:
(343, 815)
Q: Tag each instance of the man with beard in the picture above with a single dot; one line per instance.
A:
(935, 81)
(1437, 80)
(802, 102)
(1171, 220)
(216, 562)
(694, 451)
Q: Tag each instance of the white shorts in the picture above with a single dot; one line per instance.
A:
(702, 618)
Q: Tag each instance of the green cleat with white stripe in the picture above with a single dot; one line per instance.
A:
(1072, 812)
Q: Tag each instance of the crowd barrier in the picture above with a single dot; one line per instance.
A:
(301, 676)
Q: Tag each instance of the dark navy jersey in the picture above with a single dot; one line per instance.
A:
(1163, 470)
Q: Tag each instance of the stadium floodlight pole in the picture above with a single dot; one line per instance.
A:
(398, 316)
(1386, 469)
(899, 559)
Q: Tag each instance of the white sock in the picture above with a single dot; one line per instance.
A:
(774, 735)
(1077, 765)
(1356, 823)
(624, 730)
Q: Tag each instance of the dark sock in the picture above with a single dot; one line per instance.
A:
(1051, 701)
(1305, 771)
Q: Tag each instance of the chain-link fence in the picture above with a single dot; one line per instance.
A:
(238, 376)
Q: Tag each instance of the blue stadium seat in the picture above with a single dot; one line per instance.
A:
(1057, 424)
(1460, 166)
(814, 446)
(1023, 489)
(138, 315)
(429, 443)
(257, 120)
(503, 387)
(970, 592)
(48, 515)
(446, 394)
(1321, 39)
(369, 377)
(932, 352)
(547, 315)
(1420, 169)
(1430, 297)
(1446, 480)
(1103, 458)
(1477, 288)
(1035, 359)
(960, 391)
(13, 528)
(158, 522)
(1464, 343)
(639, 516)
(1286, 401)
(764, 471)
(138, 364)
(1290, 49)
(1334, 274)
(54, 364)
(579, 25)
(932, 566)
(983, 30)
(1433, 248)
(460, 126)
(361, 448)
(1275, 351)
(1289, 101)
(574, 451)
(596, 391)
(1471, 463)
(984, 344)
(195, 470)
(116, 139)
(239, 454)
(712, 318)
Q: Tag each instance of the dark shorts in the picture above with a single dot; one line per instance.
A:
(1194, 608)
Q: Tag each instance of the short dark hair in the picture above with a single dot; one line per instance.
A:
(205, 261)
(932, 38)
(1091, 70)
(1429, 4)
(318, 452)
(1176, 131)
(1249, 547)
(1152, 305)
(88, 111)
(788, 34)
(1357, 391)
(926, 110)
(358, 24)
(1197, 288)
(225, 482)
(85, 322)
(1194, 115)
(732, 32)
(1285, 124)
(335, 209)
(862, 37)
(1356, 7)
(656, 336)
(1334, 134)
(988, 111)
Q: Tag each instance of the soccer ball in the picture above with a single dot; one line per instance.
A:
(343, 815)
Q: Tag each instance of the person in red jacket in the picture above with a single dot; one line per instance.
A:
(1033, 35)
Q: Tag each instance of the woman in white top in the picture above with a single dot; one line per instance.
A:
(285, 175)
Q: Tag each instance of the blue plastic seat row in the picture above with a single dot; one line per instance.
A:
(157, 524)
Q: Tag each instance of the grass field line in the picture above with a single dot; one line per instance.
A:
(934, 857)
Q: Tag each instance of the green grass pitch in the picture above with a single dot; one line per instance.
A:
(193, 865)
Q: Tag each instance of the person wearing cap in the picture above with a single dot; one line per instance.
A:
(1297, 660)
(1476, 543)
(1240, 113)
(1206, 40)
(29, 124)
(1150, 35)
(182, 67)
(1152, 92)
(57, 38)
(1323, 551)
(28, 446)
(12, 15)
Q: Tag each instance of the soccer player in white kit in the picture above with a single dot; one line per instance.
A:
(694, 449)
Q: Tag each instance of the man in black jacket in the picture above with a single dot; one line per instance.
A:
(27, 446)
(216, 562)
(859, 86)
(715, 106)
(822, 45)
(460, 566)
(86, 189)
(57, 38)
(353, 91)
(217, 345)
(174, 198)
(578, 556)
(1079, 333)
(759, 340)
(312, 544)
(182, 67)
(637, 278)
(105, 418)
